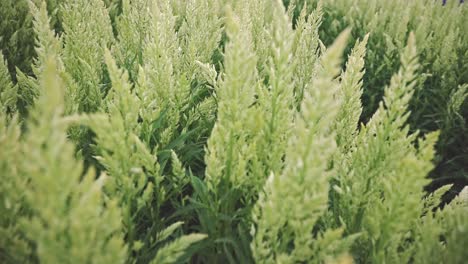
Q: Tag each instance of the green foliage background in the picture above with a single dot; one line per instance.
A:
(219, 131)
(442, 38)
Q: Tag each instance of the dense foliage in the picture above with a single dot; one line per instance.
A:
(222, 131)
(438, 100)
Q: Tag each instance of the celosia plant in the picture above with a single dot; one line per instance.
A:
(221, 131)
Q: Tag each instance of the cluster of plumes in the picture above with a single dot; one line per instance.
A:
(441, 34)
(213, 131)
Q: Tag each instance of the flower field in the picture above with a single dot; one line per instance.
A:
(233, 131)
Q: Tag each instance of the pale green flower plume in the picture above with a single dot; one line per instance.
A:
(293, 201)
(70, 215)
